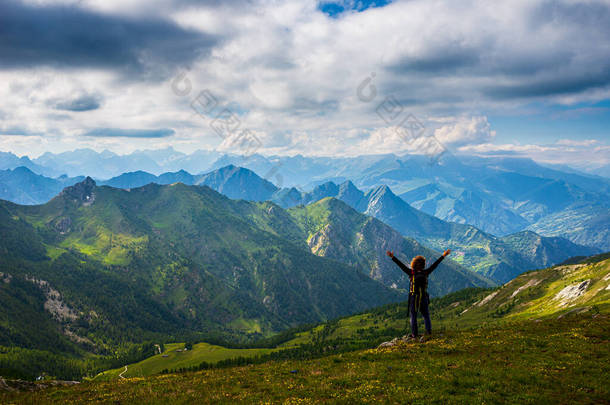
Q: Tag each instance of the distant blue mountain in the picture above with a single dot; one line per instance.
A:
(232, 181)
(106, 164)
(499, 196)
(238, 183)
(9, 160)
(23, 186)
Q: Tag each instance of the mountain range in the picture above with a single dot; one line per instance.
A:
(97, 267)
(498, 195)
(500, 258)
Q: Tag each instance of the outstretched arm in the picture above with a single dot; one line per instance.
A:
(438, 261)
(400, 264)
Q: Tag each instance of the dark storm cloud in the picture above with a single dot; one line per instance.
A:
(442, 60)
(591, 15)
(130, 133)
(550, 87)
(63, 36)
(86, 102)
(562, 51)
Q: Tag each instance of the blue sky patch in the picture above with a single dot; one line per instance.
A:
(335, 8)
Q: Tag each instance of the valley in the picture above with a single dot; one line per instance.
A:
(540, 346)
(580, 290)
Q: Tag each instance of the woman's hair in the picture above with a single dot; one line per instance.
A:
(418, 263)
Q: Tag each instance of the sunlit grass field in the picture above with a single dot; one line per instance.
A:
(175, 358)
(528, 297)
(552, 361)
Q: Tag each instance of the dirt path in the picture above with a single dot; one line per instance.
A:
(124, 371)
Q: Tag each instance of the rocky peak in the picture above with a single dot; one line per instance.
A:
(82, 192)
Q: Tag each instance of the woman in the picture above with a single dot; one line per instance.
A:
(418, 289)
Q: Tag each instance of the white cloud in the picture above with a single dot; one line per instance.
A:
(473, 130)
(573, 142)
(574, 153)
(291, 73)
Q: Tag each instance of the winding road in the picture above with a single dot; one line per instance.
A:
(124, 371)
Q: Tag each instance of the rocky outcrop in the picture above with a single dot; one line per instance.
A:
(62, 225)
(532, 283)
(5, 277)
(396, 341)
(22, 385)
(82, 193)
(487, 299)
(54, 303)
(572, 292)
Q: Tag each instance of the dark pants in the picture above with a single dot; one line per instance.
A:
(419, 302)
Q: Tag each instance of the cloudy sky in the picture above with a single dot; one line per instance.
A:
(522, 77)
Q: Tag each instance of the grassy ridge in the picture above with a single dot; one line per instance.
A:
(530, 296)
(174, 358)
(564, 361)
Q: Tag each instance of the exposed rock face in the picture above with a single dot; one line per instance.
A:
(76, 338)
(391, 343)
(532, 283)
(394, 342)
(62, 225)
(21, 385)
(5, 277)
(54, 303)
(572, 292)
(82, 192)
(486, 299)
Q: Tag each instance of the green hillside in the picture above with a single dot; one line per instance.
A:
(529, 297)
(551, 359)
(100, 268)
(337, 231)
(533, 295)
(174, 357)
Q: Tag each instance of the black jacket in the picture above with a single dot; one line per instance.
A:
(418, 280)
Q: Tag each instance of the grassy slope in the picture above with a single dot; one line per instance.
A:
(179, 359)
(465, 308)
(564, 361)
(335, 230)
(178, 243)
(455, 311)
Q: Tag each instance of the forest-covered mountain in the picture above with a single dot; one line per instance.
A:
(187, 249)
(98, 266)
(500, 258)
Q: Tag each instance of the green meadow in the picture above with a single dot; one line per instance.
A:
(174, 357)
(561, 361)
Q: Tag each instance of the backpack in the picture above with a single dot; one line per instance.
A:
(419, 283)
